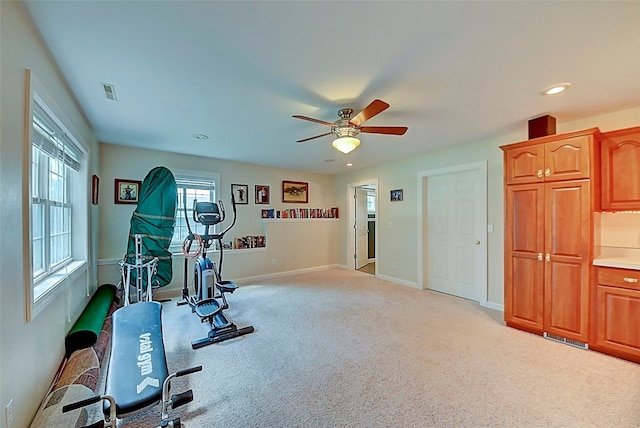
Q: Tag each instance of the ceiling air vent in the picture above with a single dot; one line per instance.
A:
(109, 91)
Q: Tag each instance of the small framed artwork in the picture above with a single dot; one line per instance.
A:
(295, 191)
(262, 194)
(126, 191)
(95, 189)
(396, 195)
(240, 193)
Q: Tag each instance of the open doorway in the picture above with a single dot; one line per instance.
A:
(362, 232)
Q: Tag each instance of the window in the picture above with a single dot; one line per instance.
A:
(371, 202)
(58, 204)
(194, 186)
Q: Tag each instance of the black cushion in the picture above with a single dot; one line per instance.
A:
(138, 366)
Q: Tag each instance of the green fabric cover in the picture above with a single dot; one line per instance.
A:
(154, 219)
(85, 331)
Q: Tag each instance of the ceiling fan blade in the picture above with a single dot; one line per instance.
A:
(376, 107)
(312, 138)
(310, 119)
(393, 130)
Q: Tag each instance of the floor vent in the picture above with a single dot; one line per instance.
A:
(571, 342)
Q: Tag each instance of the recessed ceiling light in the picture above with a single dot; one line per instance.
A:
(349, 164)
(556, 89)
(200, 136)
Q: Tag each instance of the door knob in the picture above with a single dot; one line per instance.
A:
(477, 242)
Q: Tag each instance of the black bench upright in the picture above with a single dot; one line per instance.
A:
(137, 377)
(138, 365)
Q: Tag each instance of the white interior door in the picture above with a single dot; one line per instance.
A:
(361, 228)
(455, 233)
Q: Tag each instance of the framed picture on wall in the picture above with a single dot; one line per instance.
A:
(95, 189)
(396, 195)
(295, 191)
(127, 191)
(262, 194)
(241, 193)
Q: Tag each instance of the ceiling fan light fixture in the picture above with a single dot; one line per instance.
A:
(345, 144)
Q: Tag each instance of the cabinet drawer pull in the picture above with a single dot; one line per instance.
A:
(631, 280)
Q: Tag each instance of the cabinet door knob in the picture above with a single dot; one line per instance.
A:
(547, 257)
(539, 174)
(547, 172)
(539, 257)
(631, 280)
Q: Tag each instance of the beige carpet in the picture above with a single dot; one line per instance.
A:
(343, 349)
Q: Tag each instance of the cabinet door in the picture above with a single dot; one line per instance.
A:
(620, 165)
(617, 320)
(567, 259)
(568, 159)
(524, 165)
(524, 268)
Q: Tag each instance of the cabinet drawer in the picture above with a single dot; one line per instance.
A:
(623, 278)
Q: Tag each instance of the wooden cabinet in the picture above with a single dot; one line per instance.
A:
(550, 158)
(548, 258)
(620, 169)
(549, 234)
(616, 314)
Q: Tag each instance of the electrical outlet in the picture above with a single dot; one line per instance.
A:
(8, 414)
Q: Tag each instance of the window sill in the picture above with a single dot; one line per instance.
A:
(48, 288)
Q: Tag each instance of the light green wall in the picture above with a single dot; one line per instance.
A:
(291, 245)
(30, 352)
(398, 243)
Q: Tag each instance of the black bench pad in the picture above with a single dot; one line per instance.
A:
(138, 365)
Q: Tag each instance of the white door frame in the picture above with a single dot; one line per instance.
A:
(351, 222)
(423, 176)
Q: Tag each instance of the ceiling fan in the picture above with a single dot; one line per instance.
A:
(347, 127)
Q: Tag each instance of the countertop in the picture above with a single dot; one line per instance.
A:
(619, 262)
(624, 258)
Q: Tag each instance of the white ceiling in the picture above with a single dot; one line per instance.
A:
(453, 72)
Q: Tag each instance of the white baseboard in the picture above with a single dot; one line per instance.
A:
(399, 281)
(249, 279)
(495, 306)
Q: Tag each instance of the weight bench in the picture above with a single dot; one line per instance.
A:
(137, 377)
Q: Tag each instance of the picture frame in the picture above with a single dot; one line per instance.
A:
(262, 196)
(295, 192)
(126, 191)
(95, 189)
(240, 193)
(396, 195)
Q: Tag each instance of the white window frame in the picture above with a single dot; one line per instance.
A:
(200, 178)
(43, 287)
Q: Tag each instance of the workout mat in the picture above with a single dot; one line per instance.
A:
(85, 331)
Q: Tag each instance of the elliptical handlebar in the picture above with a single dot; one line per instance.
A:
(233, 222)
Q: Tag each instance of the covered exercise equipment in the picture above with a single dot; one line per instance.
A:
(209, 300)
(154, 218)
(137, 376)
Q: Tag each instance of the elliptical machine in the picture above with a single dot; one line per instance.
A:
(209, 299)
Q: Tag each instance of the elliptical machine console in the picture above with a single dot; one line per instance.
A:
(209, 300)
